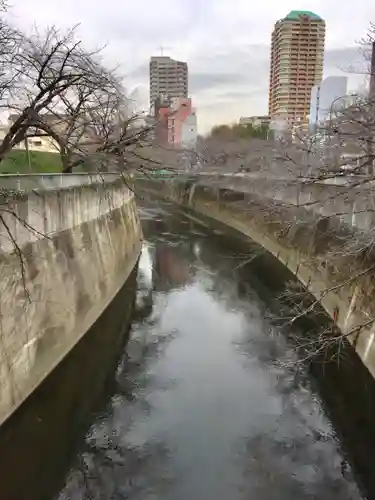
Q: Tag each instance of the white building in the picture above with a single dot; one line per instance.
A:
(189, 131)
(328, 96)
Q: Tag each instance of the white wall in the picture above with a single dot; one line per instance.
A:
(325, 97)
(189, 131)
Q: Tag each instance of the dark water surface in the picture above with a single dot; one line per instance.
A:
(207, 400)
(210, 402)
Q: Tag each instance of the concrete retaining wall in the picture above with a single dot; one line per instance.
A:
(28, 182)
(353, 203)
(64, 256)
(343, 302)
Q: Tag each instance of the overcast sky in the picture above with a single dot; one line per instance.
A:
(225, 42)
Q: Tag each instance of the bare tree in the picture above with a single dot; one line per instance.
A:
(320, 202)
(10, 39)
(339, 182)
(230, 154)
(54, 87)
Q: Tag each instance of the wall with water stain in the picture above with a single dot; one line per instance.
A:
(65, 254)
(343, 302)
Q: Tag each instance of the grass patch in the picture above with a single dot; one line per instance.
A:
(40, 162)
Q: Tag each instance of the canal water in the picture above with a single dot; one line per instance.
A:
(207, 400)
(213, 404)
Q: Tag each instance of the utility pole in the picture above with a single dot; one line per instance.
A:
(372, 75)
(27, 152)
(370, 138)
(315, 134)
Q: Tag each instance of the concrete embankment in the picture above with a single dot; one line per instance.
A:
(352, 199)
(65, 254)
(343, 301)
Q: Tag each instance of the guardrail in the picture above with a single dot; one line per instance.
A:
(50, 181)
(29, 182)
(338, 180)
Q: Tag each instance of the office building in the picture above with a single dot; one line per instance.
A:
(168, 79)
(297, 52)
(326, 98)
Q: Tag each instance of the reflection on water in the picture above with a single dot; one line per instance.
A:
(209, 400)
(170, 270)
(145, 267)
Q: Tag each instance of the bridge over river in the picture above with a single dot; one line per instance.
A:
(187, 383)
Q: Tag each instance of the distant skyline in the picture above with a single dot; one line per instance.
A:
(227, 48)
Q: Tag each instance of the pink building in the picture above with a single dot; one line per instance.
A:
(177, 124)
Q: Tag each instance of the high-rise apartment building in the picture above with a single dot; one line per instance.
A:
(168, 79)
(297, 53)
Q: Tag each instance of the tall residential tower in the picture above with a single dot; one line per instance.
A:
(168, 79)
(297, 53)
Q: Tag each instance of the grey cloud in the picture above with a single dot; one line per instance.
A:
(233, 58)
(231, 71)
(234, 95)
(140, 72)
(146, 34)
(205, 81)
(239, 77)
(225, 44)
(237, 72)
(343, 59)
(223, 71)
(246, 90)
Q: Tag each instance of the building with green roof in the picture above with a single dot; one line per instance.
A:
(297, 56)
(295, 15)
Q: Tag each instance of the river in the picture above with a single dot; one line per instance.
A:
(213, 402)
(207, 400)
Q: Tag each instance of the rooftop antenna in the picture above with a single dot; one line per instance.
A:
(162, 49)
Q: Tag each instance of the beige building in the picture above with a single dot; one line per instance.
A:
(297, 53)
(44, 143)
(168, 78)
(255, 121)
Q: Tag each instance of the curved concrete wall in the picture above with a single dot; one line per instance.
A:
(64, 256)
(342, 303)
